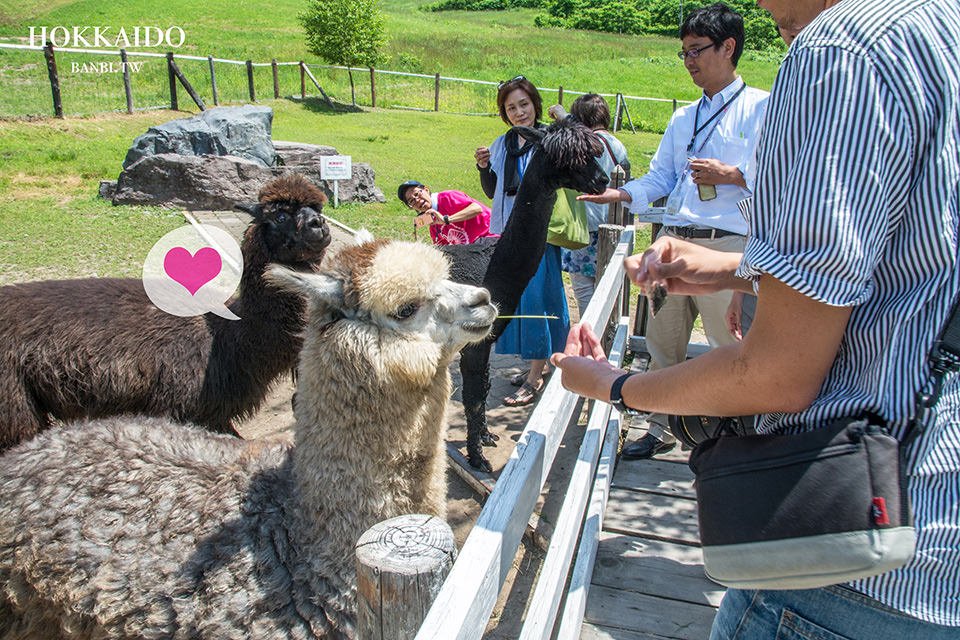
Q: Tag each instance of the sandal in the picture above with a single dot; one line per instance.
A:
(518, 379)
(526, 394)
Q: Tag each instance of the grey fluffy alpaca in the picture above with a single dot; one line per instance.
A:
(97, 347)
(140, 528)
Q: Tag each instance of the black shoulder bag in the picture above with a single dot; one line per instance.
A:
(813, 509)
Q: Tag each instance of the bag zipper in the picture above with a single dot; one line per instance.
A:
(783, 461)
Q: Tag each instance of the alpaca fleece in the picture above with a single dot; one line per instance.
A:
(136, 527)
(72, 349)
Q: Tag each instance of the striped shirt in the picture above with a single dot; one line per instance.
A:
(856, 205)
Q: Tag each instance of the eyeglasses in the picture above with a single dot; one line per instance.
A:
(694, 53)
(416, 191)
(514, 79)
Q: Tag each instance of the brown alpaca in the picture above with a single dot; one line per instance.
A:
(96, 347)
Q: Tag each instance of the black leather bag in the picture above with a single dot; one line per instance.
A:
(692, 430)
(800, 511)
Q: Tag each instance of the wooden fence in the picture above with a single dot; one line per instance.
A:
(440, 86)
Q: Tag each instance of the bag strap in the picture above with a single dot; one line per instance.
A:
(609, 150)
(944, 357)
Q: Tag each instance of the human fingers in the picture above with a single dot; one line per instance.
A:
(608, 196)
(590, 345)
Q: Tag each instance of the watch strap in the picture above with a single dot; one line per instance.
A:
(616, 394)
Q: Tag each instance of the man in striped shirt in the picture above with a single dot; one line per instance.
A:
(853, 247)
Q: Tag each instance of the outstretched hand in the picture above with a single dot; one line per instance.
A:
(685, 268)
(583, 364)
(608, 196)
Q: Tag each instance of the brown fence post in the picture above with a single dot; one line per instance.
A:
(253, 95)
(276, 79)
(54, 79)
(618, 114)
(674, 104)
(303, 82)
(213, 81)
(373, 89)
(174, 105)
(126, 80)
(186, 85)
(436, 92)
(560, 95)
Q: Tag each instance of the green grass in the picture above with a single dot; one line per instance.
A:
(488, 46)
(52, 224)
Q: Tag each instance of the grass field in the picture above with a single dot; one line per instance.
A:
(52, 224)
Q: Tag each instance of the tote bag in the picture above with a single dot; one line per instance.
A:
(568, 222)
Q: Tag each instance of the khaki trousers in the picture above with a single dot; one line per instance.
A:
(669, 333)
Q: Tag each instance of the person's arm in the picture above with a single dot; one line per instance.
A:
(472, 210)
(779, 367)
(686, 268)
(488, 181)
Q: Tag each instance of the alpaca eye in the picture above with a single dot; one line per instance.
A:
(406, 311)
(281, 218)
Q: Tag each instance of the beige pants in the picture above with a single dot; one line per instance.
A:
(669, 333)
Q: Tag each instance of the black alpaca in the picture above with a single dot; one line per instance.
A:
(97, 347)
(564, 156)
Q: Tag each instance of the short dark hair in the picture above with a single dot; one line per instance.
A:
(717, 22)
(519, 82)
(592, 110)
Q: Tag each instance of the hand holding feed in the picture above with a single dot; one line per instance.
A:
(482, 156)
(583, 365)
(608, 196)
(684, 268)
(712, 171)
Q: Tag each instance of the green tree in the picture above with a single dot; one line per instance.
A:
(345, 32)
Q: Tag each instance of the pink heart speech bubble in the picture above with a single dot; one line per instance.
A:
(192, 271)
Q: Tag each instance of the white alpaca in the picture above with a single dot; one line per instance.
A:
(135, 527)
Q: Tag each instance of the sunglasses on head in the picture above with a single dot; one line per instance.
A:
(514, 79)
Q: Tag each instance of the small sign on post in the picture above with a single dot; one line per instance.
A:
(336, 168)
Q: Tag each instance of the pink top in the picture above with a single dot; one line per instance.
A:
(448, 203)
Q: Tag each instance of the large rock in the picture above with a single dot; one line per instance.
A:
(244, 132)
(219, 182)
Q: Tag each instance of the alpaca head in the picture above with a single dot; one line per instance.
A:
(289, 221)
(392, 307)
(571, 150)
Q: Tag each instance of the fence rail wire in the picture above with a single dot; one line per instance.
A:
(91, 83)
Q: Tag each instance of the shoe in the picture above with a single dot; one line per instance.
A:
(526, 394)
(646, 447)
(518, 379)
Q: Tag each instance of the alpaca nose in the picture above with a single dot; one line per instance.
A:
(480, 298)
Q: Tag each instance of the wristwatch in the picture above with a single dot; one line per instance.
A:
(446, 219)
(616, 398)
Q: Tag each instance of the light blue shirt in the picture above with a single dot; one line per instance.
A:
(731, 138)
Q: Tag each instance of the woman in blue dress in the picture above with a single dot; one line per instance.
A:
(501, 167)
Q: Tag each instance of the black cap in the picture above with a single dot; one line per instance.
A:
(403, 188)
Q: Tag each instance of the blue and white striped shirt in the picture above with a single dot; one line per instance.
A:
(856, 205)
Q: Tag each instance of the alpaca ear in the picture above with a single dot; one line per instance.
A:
(253, 208)
(319, 288)
(529, 133)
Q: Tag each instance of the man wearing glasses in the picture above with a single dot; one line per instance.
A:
(700, 167)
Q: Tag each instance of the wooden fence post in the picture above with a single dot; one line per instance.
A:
(609, 238)
(618, 114)
(436, 93)
(560, 95)
(401, 565)
(213, 81)
(253, 95)
(276, 79)
(186, 85)
(174, 105)
(126, 81)
(373, 90)
(674, 104)
(303, 82)
(54, 79)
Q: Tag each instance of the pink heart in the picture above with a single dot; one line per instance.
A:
(192, 271)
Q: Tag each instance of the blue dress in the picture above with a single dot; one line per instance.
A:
(535, 338)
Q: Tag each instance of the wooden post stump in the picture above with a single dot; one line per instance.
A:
(253, 94)
(213, 81)
(174, 104)
(401, 565)
(373, 89)
(276, 79)
(436, 92)
(54, 79)
(126, 80)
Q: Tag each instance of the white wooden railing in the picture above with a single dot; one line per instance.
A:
(462, 608)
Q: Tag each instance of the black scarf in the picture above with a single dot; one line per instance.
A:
(511, 143)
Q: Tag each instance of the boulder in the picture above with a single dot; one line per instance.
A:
(244, 132)
(219, 182)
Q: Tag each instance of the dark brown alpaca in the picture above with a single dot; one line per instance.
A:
(99, 347)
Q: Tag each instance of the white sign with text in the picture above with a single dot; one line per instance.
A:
(336, 168)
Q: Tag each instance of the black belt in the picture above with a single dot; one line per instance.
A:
(696, 232)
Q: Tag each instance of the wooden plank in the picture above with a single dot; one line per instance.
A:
(598, 632)
(543, 606)
(580, 578)
(463, 607)
(653, 516)
(637, 612)
(656, 568)
(655, 476)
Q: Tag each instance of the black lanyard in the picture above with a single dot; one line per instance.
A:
(697, 130)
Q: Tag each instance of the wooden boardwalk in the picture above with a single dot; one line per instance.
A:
(648, 581)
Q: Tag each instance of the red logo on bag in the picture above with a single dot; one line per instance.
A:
(880, 511)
